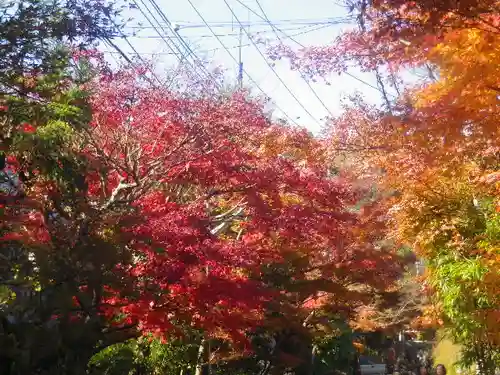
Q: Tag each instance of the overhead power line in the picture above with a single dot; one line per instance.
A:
(234, 58)
(303, 46)
(183, 42)
(181, 54)
(110, 43)
(264, 16)
(270, 66)
(230, 47)
(309, 29)
(137, 33)
(235, 46)
(214, 25)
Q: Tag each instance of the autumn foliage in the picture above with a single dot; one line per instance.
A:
(432, 148)
(175, 207)
(129, 208)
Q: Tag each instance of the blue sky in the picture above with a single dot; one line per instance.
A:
(297, 17)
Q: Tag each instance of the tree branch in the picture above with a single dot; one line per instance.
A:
(121, 187)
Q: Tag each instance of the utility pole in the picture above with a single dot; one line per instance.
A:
(240, 60)
(240, 57)
(239, 78)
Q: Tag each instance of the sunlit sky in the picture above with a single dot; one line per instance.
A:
(306, 21)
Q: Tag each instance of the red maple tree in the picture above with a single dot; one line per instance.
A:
(180, 204)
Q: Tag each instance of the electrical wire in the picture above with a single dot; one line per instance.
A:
(301, 74)
(230, 47)
(303, 46)
(270, 66)
(183, 42)
(179, 53)
(136, 34)
(222, 24)
(124, 55)
(111, 53)
(235, 60)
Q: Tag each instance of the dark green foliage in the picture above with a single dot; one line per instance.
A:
(335, 352)
(42, 104)
(146, 355)
(37, 73)
(34, 34)
(289, 353)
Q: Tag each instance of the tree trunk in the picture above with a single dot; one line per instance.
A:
(199, 360)
(313, 358)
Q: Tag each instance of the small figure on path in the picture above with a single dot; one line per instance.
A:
(440, 370)
(422, 370)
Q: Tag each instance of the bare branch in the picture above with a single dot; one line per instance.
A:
(121, 187)
(226, 223)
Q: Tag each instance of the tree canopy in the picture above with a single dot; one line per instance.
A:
(433, 146)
